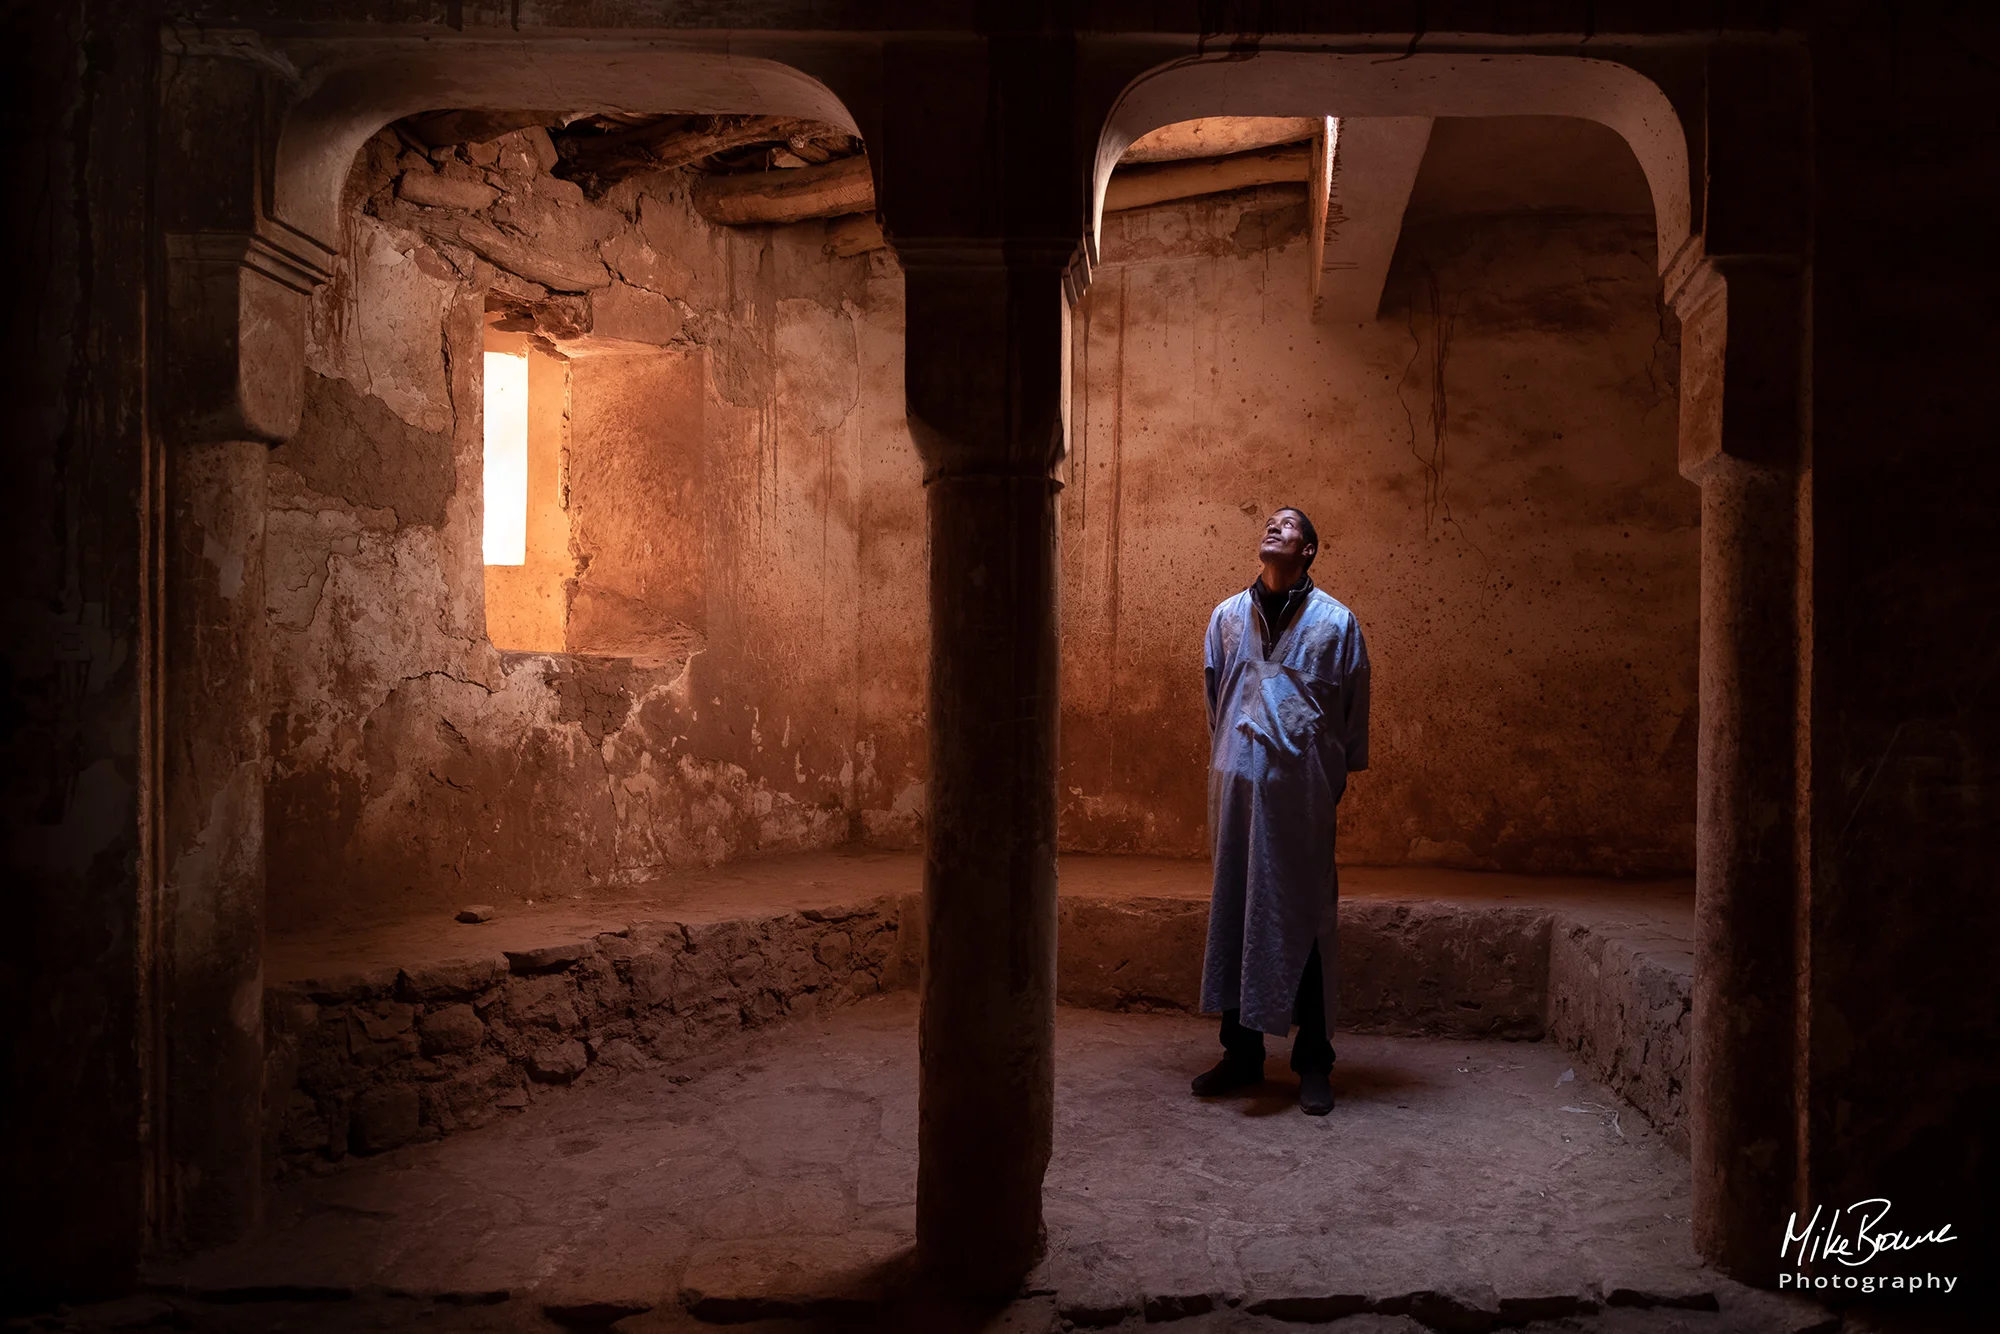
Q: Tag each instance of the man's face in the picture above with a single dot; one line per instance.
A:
(1284, 539)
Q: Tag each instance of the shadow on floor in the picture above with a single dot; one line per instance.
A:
(1352, 1082)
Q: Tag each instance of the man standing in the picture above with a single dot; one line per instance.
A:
(1287, 679)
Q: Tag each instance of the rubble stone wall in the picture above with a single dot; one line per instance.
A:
(1622, 999)
(1614, 989)
(368, 1062)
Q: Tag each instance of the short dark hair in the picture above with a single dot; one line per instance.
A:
(1312, 533)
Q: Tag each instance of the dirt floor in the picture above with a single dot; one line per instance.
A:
(1457, 1186)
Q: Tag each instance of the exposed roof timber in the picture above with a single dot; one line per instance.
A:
(824, 176)
(1136, 187)
(844, 186)
(1362, 171)
(677, 141)
(794, 194)
(352, 96)
(1218, 136)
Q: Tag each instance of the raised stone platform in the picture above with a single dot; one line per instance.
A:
(1604, 968)
(408, 1030)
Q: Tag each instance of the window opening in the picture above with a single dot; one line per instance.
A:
(506, 403)
(524, 529)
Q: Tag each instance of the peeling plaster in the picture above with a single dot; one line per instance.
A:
(413, 763)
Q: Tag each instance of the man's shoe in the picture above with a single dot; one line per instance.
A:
(1315, 1092)
(1227, 1076)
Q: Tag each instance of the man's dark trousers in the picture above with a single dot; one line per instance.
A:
(1311, 1049)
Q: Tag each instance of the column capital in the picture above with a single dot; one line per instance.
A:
(1068, 255)
(1743, 340)
(237, 279)
(285, 255)
(234, 331)
(983, 355)
(981, 186)
(1696, 277)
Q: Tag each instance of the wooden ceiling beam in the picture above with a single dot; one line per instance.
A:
(677, 141)
(794, 194)
(1136, 187)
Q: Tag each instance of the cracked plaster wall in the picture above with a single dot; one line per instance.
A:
(743, 498)
(415, 767)
(1528, 588)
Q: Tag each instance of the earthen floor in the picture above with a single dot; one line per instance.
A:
(1457, 1183)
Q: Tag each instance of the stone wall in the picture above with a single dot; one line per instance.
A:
(1904, 553)
(414, 765)
(1614, 987)
(369, 1058)
(1491, 466)
(1418, 968)
(1621, 996)
(365, 1062)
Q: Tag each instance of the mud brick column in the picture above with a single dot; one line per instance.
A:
(984, 206)
(1742, 290)
(1742, 327)
(984, 380)
(214, 653)
(231, 337)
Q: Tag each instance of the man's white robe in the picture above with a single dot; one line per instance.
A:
(1285, 732)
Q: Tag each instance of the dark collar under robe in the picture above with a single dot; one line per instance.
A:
(1279, 607)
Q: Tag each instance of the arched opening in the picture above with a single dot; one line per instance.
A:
(1489, 444)
(1295, 84)
(1520, 368)
(515, 758)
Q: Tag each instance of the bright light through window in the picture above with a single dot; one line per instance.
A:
(506, 459)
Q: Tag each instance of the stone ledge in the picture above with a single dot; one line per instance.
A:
(1621, 996)
(481, 1019)
(370, 1059)
(1608, 978)
(1414, 968)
